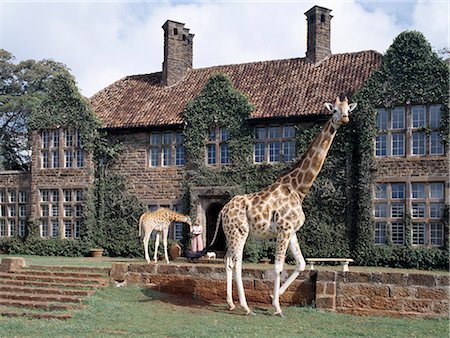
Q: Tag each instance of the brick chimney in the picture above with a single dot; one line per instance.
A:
(177, 52)
(318, 44)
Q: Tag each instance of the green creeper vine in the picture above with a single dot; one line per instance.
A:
(410, 72)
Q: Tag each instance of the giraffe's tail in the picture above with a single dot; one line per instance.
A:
(196, 255)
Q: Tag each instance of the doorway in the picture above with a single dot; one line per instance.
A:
(212, 213)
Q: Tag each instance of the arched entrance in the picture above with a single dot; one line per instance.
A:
(212, 213)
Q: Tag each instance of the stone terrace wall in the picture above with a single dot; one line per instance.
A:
(385, 294)
(209, 282)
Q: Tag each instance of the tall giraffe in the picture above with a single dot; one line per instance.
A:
(158, 221)
(276, 211)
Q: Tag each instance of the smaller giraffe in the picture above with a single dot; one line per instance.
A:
(159, 221)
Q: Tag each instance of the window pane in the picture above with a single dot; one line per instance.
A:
(44, 228)
(44, 159)
(79, 139)
(274, 151)
(167, 156)
(45, 138)
(212, 135)
(67, 229)
(259, 152)
(55, 139)
(12, 197)
(381, 190)
(288, 132)
(380, 210)
(154, 157)
(55, 228)
(398, 118)
(435, 116)
(179, 155)
(398, 232)
(436, 145)
(382, 119)
(224, 156)
(418, 233)
(68, 139)
(398, 190)
(418, 144)
(167, 138)
(288, 150)
(275, 132)
(436, 233)
(418, 116)
(179, 138)
(381, 145)
(211, 153)
(398, 144)
(80, 158)
(68, 159)
(380, 232)
(67, 211)
(155, 138)
(436, 210)
(44, 195)
(437, 190)
(224, 134)
(55, 158)
(418, 190)
(418, 210)
(55, 195)
(397, 210)
(260, 133)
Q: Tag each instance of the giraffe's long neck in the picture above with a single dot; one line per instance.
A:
(304, 173)
(176, 217)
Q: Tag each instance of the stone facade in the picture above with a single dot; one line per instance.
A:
(152, 185)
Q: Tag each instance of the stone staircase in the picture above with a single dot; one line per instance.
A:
(48, 291)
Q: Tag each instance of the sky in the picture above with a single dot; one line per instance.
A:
(103, 41)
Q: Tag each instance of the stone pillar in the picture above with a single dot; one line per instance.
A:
(326, 290)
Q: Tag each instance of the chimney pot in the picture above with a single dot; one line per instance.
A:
(318, 33)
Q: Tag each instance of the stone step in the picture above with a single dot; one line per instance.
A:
(38, 284)
(45, 290)
(46, 278)
(71, 274)
(40, 297)
(38, 315)
(39, 304)
(99, 270)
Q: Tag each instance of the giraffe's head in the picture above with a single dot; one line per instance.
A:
(341, 110)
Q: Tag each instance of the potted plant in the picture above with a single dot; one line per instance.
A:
(96, 252)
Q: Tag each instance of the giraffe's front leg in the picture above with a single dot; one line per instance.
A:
(165, 234)
(155, 255)
(300, 262)
(145, 241)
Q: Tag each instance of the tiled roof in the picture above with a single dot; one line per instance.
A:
(280, 88)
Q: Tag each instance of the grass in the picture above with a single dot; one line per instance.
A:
(133, 311)
(138, 312)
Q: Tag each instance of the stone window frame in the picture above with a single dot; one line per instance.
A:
(159, 148)
(14, 212)
(417, 139)
(217, 143)
(61, 149)
(265, 141)
(176, 227)
(426, 230)
(54, 202)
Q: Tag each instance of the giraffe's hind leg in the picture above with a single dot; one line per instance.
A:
(300, 262)
(229, 266)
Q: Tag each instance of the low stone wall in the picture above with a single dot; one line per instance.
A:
(209, 282)
(386, 294)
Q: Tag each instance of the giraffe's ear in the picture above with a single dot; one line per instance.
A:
(352, 107)
(329, 106)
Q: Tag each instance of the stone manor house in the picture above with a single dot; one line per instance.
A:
(146, 112)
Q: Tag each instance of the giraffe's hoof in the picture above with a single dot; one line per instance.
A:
(250, 313)
(279, 313)
(232, 307)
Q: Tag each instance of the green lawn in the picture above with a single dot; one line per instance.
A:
(136, 312)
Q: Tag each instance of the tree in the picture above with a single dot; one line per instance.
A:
(22, 87)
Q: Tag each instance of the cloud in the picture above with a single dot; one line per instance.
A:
(103, 41)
